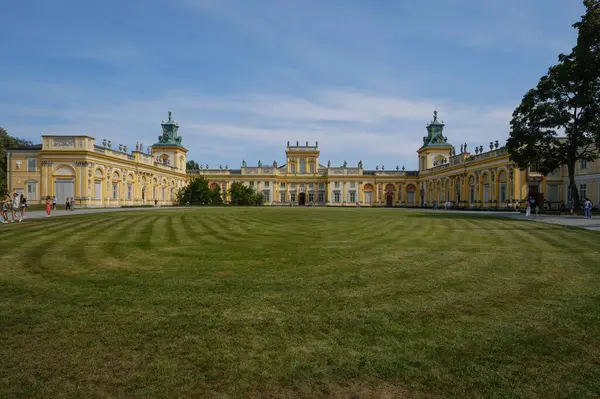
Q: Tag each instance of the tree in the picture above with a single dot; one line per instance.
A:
(191, 165)
(7, 141)
(243, 195)
(565, 101)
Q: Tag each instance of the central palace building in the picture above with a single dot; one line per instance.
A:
(98, 175)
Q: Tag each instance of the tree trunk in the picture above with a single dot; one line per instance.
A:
(573, 187)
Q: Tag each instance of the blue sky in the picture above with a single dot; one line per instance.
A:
(243, 77)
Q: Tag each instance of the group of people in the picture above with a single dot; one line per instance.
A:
(17, 203)
(51, 204)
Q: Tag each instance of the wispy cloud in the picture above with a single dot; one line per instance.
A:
(349, 125)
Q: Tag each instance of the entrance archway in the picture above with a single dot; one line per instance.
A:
(368, 190)
(389, 199)
(302, 199)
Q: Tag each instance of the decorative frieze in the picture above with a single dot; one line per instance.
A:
(46, 163)
(63, 142)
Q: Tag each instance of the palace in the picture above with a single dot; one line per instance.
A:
(100, 176)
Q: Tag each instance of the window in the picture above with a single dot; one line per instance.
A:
(352, 185)
(310, 186)
(336, 196)
(31, 191)
(97, 189)
(321, 185)
(311, 197)
(312, 168)
(302, 166)
(31, 164)
(293, 197)
(502, 192)
(321, 197)
(292, 168)
(130, 191)
(115, 191)
(266, 184)
(251, 184)
(472, 193)
(282, 185)
(352, 196)
(337, 184)
(583, 164)
(282, 196)
(582, 191)
(267, 195)
(293, 186)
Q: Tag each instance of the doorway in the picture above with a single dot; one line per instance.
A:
(63, 189)
(389, 199)
(302, 199)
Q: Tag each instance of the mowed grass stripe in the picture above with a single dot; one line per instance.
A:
(306, 302)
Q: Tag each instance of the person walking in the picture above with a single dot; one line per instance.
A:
(528, 208)
(54, 203)
(23, 205)
(48, 205)
(587, 209)
(4, 204)
(67, 204)
(72, 203)
(16, 208)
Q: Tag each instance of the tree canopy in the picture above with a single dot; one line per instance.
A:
(191, 165)
(8, 141)
(243, 195)
(558, 121)
(198, 192)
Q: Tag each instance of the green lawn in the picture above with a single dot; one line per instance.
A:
(249, 302)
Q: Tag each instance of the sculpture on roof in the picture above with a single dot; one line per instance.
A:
(360, 165)
(259, 163)
(345, 164)
(317, 144)
(275, 164)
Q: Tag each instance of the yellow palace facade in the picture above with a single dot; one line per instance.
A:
(99, 176)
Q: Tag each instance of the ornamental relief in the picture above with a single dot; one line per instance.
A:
(63, 142)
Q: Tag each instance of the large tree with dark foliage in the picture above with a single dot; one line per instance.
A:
(198, 192)
(192, 165)
(558, 121)
(243, 195)
(7, 141)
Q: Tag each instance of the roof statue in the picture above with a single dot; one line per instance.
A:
(345, 164)
(316, 144)
(169, 135)
(288, 143)
(360, 164)
(434, 136)
(329, 164)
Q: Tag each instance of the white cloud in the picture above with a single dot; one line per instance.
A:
(349, 125)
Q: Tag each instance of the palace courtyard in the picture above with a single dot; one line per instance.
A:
(292, 302)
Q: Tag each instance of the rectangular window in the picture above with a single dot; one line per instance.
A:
(336, 196)
(337, 184)
(32, 191)
(321, 197)
(352, 196)
(251, 184)
(582, 191)
(321, 185)
(293, 168)
(31, 165)
(502, 192)
(311, 197)
(282, 185)
(472, 193)
(282, 196)
(352, 185)
(293, 186)
(312, 168)
(115, 191)
(293, 197)
(129, 191)
(583, 164)
(310, 186)
(266, 184)
(267, 196)
(98, 189)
